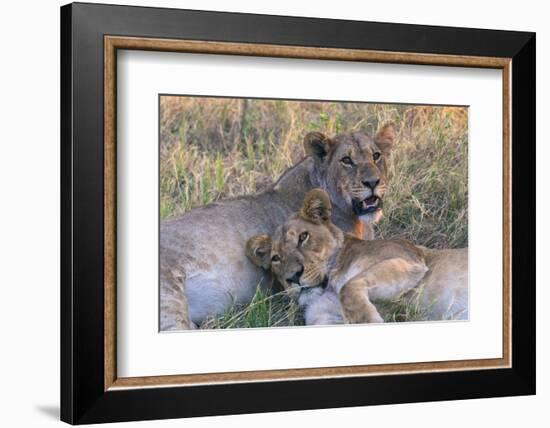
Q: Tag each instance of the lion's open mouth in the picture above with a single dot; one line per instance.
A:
(366, 206)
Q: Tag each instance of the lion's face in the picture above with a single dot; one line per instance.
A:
(353, 168)
(299, 252)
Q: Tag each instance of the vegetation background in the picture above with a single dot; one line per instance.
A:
(213, 148)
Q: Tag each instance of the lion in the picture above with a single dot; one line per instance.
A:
(203, 266)
(339, 278)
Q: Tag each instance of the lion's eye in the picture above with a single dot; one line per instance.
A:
(303, 237)
(275, 259)
(376, 156)
(346, 160)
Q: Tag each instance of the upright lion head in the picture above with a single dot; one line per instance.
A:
(300, 251)
(353, 167)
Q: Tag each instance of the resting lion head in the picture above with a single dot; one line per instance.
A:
(300, 251)
(353, 168)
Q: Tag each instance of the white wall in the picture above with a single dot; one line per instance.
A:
(29, 230)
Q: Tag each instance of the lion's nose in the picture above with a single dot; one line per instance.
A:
(371, 183)
(296, 277)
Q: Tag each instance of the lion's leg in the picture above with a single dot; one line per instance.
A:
(391, 278)
(356, 305)
(174, 309)
(383, 281)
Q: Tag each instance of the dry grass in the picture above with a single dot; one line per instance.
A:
(212, 148)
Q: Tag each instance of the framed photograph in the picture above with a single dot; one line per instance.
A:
(275, 213)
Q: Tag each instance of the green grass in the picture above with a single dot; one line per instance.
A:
(401, 310)
(265, 310)
(212, 148)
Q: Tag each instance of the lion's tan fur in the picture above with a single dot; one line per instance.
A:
(359, 272)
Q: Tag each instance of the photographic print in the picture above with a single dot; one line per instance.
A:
(282, 213)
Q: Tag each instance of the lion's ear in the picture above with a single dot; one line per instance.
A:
(258, 250)
(317, 207)
(385, 137)
(317, 145)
